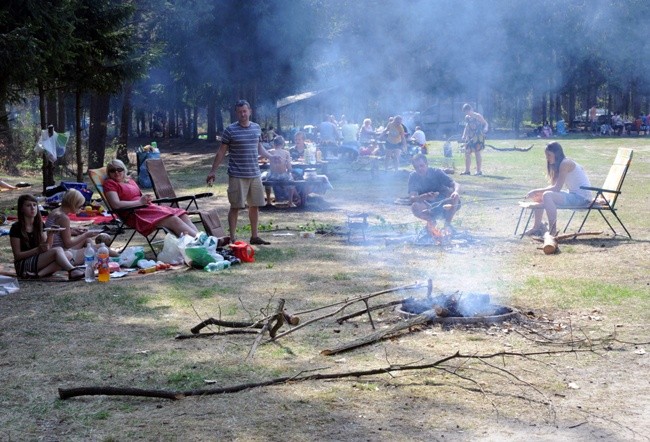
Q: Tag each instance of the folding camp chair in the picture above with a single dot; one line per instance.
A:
(165, 194)
(604, 200)
(97, 177)
(164, 190)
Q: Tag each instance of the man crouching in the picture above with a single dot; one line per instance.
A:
(433, 194)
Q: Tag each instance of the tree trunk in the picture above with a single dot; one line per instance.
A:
(212, 105)
(48, 166)
(77, 135)
(99, 106)
(219, 120)
(7, 151)
(61, 121)
(195, 123)
(125, 123)
(572, 106)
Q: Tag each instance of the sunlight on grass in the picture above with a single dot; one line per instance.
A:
(572, 292)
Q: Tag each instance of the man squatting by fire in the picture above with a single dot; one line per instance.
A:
(433, 194)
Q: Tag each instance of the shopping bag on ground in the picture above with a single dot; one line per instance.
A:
(8, 285)
(171, 252)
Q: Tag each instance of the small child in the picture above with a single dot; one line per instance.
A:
(33, 253)
(280, 170)
(71, 238)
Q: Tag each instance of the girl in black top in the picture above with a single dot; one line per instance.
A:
(33, 255)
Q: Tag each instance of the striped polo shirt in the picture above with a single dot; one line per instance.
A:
(242, 149)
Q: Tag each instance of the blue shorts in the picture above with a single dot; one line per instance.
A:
(573, 200)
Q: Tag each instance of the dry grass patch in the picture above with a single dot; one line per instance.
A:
(122, 334)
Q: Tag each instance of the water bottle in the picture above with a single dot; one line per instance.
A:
(89, 259)
(216, 266)
(102, 264)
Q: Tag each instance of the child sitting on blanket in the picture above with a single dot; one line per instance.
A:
(34, 255)
(71, 238)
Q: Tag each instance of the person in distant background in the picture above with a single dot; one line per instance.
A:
(419, 139)
(366, 133)
(5, 185)
(349, 142)
(474, 138)
(297, 152)
(280, 174)
(593, 118)
(395, 142)
(617, 123)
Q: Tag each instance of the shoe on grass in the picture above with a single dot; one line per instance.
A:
(257, 241)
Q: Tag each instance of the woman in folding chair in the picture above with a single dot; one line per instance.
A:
(123, 193)
(561, 171)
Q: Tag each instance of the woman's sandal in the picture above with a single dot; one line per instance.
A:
(76, 274)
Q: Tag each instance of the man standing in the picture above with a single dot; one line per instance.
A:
(242, 140)
(433, 193)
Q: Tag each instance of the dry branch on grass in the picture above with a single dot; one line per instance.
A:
(420, 319)
(511, 149)
(67, 393)
(281, 316)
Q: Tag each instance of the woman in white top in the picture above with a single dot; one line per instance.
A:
(561, 172)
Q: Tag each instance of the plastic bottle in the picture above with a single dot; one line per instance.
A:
(102, 264)
(319, 156)
(216, 266)
(89, 260)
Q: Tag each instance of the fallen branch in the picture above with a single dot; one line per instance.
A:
(233, 324)
(420, 319)
(67, 393)
(342, 319)
(511, 149)
(221, 333)
(272, 325)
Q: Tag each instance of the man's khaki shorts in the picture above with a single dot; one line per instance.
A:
(242, 191)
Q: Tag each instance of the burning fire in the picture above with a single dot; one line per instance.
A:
(438, 234)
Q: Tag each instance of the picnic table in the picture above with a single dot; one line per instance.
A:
(320, 166)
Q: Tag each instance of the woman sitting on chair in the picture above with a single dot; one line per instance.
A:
(123, 193)
(561, 171)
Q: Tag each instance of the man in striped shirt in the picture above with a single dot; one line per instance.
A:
(242, 142)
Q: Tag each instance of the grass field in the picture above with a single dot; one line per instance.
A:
(593, 298)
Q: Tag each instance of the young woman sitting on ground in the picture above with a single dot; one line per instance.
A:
(34, 255)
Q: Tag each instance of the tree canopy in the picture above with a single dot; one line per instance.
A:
(520, 60)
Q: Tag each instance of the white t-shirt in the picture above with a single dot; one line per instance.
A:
(418, 137)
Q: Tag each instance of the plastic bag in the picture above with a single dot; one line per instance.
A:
(130, 256)
(200, 251)
(53, 146)
(171, 252)
(199, 256)
(8, 285)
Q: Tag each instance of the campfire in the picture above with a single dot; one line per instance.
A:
(457, 308)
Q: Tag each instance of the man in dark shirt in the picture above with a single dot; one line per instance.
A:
(433, 194)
